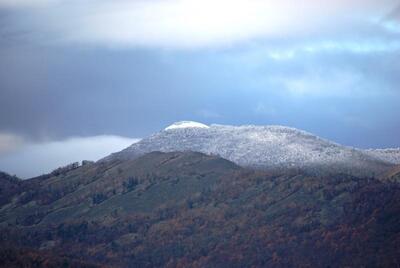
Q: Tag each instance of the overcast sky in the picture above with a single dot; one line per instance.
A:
(73, 70)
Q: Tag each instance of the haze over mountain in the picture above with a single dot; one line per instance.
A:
(267, 147)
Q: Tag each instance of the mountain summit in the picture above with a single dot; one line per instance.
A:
(186, 124)
(272, 147)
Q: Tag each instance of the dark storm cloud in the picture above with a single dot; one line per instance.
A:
(56, 92)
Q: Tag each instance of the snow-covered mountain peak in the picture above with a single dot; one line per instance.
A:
(267, 147)
(186, 124)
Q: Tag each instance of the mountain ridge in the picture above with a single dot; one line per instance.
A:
(189, 209)
(267, 147)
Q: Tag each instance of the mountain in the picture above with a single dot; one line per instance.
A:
(391, 155)
(9, 186)
(265, 147)
(188, 209)
(17, 258)
(392, 175)
(56, 197)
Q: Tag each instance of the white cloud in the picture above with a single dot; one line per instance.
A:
(327, 83)
(32, 159)
(392, 26)
(360, 47)
(194, 23)
(323, 84)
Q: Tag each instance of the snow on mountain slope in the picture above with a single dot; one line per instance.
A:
(258, 146)
(391, 155)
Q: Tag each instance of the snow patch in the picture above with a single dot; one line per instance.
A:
(186, 124)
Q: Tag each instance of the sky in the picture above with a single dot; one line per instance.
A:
(73, 71)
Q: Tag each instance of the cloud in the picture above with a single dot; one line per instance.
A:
(264, 109)
(33, 159)
(9, 142)
(294, 56)
(392, 21)
(192, 24)
(12, 4)
(355, 47)
(395, 14)
(208, 114)
(322, 84)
